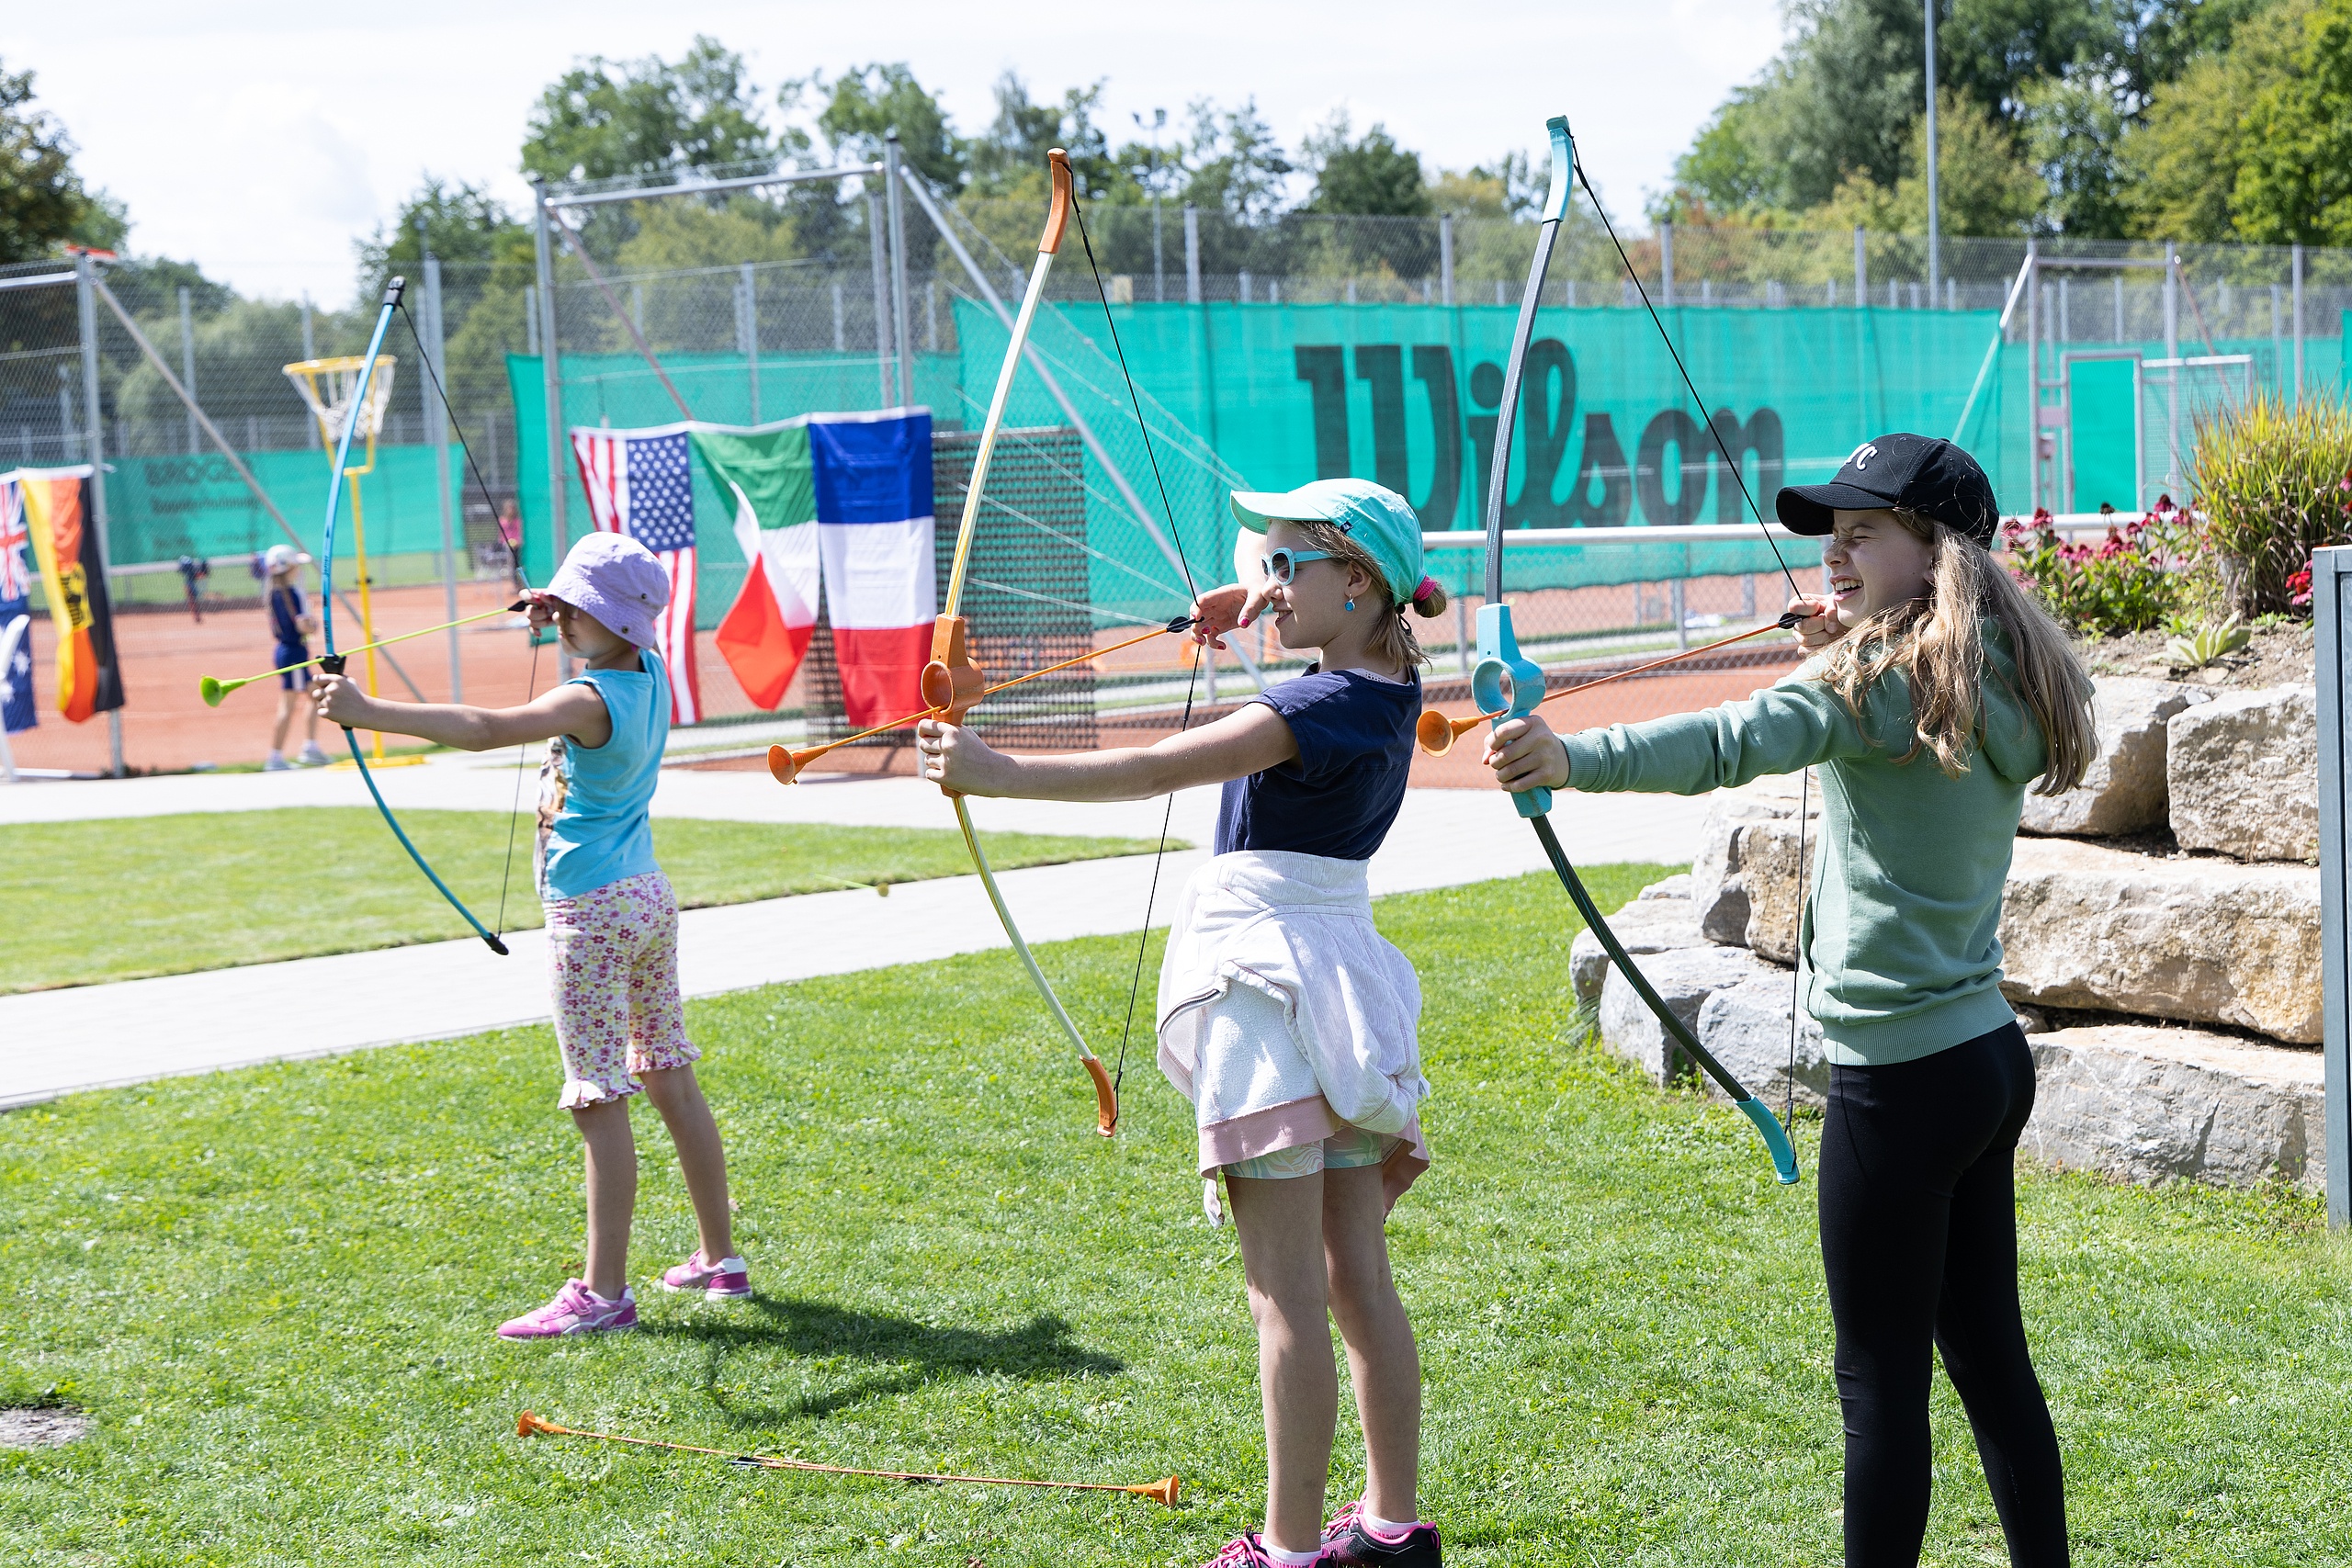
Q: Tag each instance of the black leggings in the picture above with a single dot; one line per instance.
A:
(1919, 1240)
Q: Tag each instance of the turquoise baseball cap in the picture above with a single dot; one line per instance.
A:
(1371, 516)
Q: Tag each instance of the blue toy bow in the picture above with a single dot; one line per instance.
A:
(1508, 684)
(331, 662)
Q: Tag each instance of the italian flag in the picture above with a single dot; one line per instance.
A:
(841, 504)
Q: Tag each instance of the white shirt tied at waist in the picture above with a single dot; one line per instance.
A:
(1296, 928)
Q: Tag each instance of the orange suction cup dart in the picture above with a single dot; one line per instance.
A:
(1162, 1492)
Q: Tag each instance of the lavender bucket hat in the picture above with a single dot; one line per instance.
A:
(616, 580)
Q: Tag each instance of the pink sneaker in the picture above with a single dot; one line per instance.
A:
(575, 1310)
(728, 1280)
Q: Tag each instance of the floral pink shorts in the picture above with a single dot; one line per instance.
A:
(613, 971)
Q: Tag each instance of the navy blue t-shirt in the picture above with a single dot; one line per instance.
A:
(286, 615)
(1338, 797)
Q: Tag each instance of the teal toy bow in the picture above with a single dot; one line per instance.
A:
(1507, 683)
(333, 662)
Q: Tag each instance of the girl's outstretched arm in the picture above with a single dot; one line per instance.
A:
(571, 710)
(1249, 741)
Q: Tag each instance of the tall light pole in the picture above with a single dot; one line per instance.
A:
(1935, 225)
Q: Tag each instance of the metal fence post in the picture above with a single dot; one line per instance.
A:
(1665, 263)
(2299, 324)
(2033, 497)
(899, 319)
(551, 377)
(2172, 352)
(2331, 584)
(433, 423)
(752, 334)
(873, 222)
(187, 363)
(1445, 256)
(1192, 254)
(86, 272)
(1861, 271)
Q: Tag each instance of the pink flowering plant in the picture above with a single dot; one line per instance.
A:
(2134, 580)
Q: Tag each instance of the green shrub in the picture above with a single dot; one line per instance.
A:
(2271, 483)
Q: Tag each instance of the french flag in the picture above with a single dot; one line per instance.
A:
(872, 476)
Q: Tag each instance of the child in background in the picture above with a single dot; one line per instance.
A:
(612, 920)
(1939, 690)
(290, 626)
(1284, 1016)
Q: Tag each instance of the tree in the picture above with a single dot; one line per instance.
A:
(1232, 162)
(1984, 185)
(866, 104)
(605, 119)
(1373, 177)
(2074, 132)
(2179, 162)
(1009, 157)
(461, 223)
(2294, 175)
(43, 203)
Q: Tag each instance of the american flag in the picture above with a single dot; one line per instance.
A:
(643, 486)
(14, 536)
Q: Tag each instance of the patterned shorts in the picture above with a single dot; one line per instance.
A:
(1347, 1149)
(613, 971)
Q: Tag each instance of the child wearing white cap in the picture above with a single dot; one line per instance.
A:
(612, 918)
(1285, 1017)
(290, 626)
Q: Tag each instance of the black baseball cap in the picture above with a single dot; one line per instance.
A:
(1916, 473)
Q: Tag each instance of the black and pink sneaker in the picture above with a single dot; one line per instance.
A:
(728, 1280)
(1349, 1542)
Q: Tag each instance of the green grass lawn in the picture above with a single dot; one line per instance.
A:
(273, 1290)
(126, 897)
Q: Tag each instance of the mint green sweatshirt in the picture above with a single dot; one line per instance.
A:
(1901, 951)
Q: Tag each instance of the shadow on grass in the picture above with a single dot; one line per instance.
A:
(909, 1354)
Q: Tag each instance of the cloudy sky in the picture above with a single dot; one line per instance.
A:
(259, 138)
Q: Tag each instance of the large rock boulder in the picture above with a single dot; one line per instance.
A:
(1776, 864)
(1719, 883)
(2196, 940)
(1660, 918)
(2152, 1105)
(2124, 791)
(2242, 770)
(1684, 978)
(1746, 1027)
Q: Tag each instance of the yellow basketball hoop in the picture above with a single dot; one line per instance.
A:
(329, 389)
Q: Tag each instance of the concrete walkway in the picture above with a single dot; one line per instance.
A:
(55, 1041)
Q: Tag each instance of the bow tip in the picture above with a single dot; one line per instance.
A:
(496, 946)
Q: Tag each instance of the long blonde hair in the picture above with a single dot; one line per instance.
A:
(1392, 638)
(1938, 641)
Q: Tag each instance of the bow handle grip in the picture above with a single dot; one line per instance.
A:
(332, 664)
(1508, 685)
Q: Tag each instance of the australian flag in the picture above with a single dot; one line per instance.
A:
(17, 709)
(640, 484)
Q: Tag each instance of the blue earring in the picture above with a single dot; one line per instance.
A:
(1351, 603)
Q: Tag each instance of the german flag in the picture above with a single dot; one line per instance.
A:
(56, 505)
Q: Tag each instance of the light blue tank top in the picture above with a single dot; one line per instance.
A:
(594, 827)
